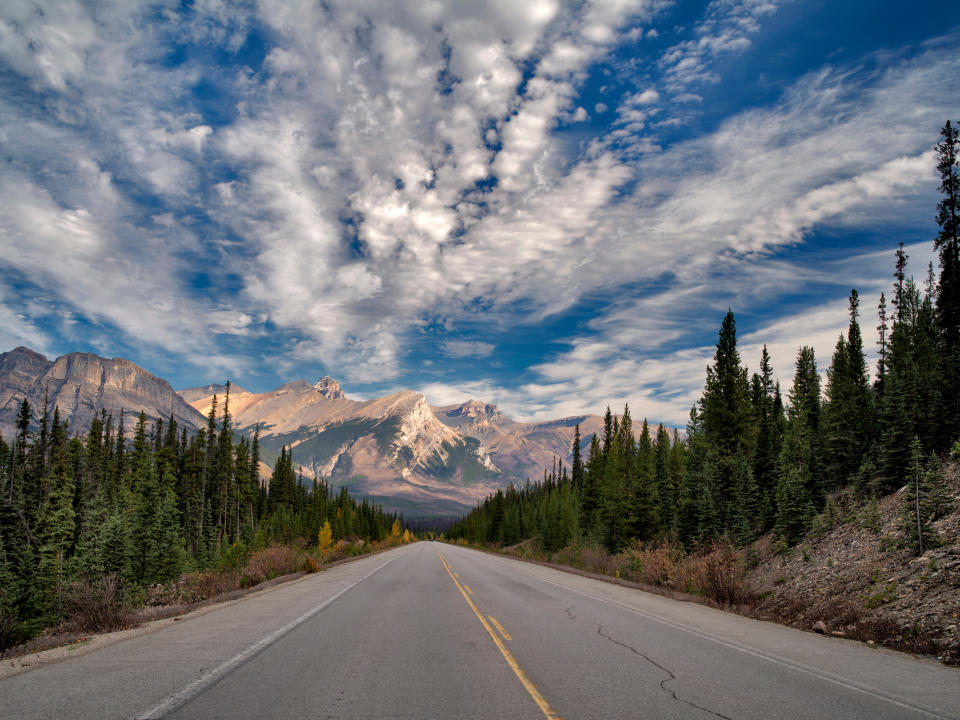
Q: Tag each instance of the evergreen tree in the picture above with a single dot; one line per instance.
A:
(57, 530)
(926, 499)
(947, 242)
(663, 478)
(115, 546)
(576, 469)
(726, 417)
(848, 412)
(799, 483)
(882, 329)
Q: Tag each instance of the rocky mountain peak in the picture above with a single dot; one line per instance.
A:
(474, 410)
(80, 385)
(329, 388)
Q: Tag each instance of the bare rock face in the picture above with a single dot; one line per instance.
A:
(81, 384)
(329, 388)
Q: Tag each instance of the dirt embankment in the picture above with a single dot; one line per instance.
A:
(858, 579)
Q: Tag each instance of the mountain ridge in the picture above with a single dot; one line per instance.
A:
(424, 460)
(81, 384)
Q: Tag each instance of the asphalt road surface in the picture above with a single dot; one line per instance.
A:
(438, 631)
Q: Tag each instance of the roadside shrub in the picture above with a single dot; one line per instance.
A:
(724, 577)
(97, 605)
(269, 563)
(10, 633)
(198, 586)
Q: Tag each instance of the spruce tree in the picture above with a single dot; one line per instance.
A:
(882, 330)
(663, 479)
(726, 417)
(926, 499)
(576, 468)
(799, 484)
(57, 530)
(947, 242)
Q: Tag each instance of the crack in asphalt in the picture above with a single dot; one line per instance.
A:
(663, 683)
(570, 614)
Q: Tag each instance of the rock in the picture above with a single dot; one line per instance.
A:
(329, 388)
(821, 627)
(838, 633)
(81, 384)
(871, 643)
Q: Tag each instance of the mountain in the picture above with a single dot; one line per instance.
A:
(426, 461)
(392, 448)
(520, 450)
(80, 384)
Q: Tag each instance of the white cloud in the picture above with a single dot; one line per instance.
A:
(349, 187)
(468, 348)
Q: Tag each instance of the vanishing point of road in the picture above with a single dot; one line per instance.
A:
(437, 631)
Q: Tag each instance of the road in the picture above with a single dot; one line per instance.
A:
(438, 631)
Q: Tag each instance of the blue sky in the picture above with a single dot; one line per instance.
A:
(545, 205)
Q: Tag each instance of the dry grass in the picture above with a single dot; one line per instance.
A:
(717, 574)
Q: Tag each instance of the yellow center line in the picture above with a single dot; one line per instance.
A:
(528, 685)
(498, 626)
(468, 588)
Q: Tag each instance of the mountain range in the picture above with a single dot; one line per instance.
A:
(425, 461)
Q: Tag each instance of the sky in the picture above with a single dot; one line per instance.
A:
(546, 205)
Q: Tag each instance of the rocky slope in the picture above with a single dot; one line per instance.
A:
(81, 384)
(855, 578)
(520, 450)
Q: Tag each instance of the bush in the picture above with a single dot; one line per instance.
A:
(269, 563)
(198, 586)
(725, 576)
(10, 633)
(97, 605)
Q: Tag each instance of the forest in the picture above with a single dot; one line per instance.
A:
(753, 461)
(78, 507)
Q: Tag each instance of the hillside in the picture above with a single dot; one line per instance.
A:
(857, 579)
(81, 384)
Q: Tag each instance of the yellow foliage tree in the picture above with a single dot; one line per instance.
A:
(396, 533)
(407, 537)
(325, 539)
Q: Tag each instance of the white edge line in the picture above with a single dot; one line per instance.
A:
(183, 696)
(799, 667)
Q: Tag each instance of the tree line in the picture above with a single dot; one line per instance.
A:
(145, 509)
(753, 461)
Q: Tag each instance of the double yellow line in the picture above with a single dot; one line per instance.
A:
(528, 685)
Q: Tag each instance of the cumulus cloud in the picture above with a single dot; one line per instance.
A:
(384, 167)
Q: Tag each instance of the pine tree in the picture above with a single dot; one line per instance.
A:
(726, 417)
(848, 412)
(663, 478)
(799, 483)
(115, 546)
(926, 499)
(947, 242)
(57, 530)
(882, 329)
(165, 555)
(768, 410)
(576, 469)
(9, 621)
